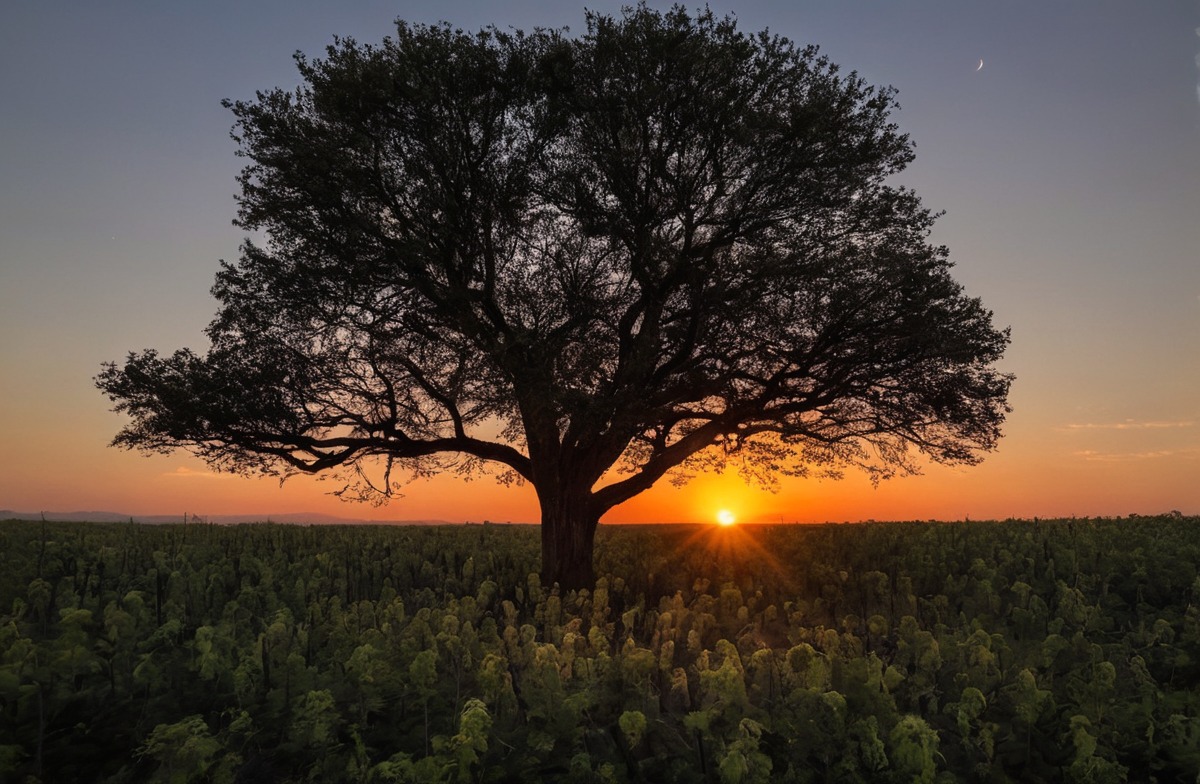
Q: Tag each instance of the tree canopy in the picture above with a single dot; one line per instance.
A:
(590, 262)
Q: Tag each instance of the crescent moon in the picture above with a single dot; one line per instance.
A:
(980, 68)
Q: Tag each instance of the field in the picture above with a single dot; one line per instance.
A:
(1064, 650)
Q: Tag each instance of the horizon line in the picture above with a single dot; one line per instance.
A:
(321, 518)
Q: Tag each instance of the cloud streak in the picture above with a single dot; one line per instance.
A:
(1128, 424)
(183, 472)
(1093, 456)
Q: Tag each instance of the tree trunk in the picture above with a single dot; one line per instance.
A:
(568, 541)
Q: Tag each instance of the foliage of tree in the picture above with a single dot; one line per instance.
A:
(653, 247)
(1038, 651)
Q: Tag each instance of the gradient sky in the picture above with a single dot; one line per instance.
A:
(1068, 168)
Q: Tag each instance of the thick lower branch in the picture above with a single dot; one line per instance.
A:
(312, 455)
(701, 438)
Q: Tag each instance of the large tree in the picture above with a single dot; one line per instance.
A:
(662, 246)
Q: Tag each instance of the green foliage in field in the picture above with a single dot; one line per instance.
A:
(920, 652)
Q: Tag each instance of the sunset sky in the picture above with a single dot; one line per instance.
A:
(1068, 168)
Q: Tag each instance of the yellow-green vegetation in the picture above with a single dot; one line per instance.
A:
(1064, 650)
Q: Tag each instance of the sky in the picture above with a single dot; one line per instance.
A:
(1067, 167)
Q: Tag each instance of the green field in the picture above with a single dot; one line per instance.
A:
(1064, 650)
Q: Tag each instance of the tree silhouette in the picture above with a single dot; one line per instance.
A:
(661, 247)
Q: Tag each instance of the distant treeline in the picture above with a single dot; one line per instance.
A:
(1044, 651)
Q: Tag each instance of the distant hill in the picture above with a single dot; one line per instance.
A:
(295, 518)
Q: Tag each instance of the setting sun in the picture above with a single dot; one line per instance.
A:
(726, 518)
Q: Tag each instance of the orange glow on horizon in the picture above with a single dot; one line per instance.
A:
(1052, 480)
